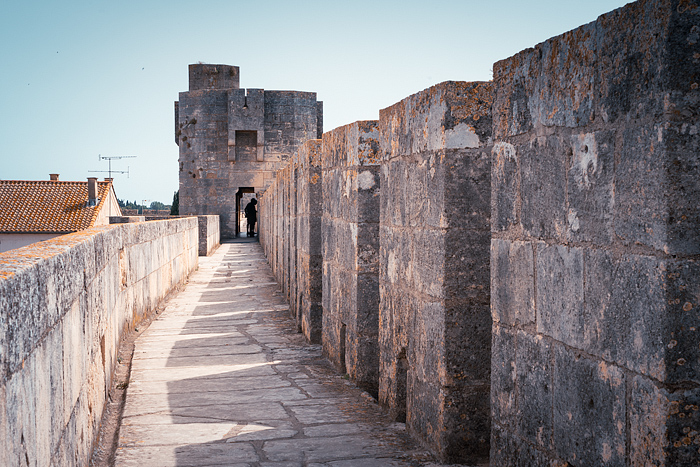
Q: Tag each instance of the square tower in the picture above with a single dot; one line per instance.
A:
(232, 140)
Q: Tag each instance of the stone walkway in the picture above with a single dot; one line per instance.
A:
(223, 378)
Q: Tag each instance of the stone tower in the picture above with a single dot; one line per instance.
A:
(232, 140)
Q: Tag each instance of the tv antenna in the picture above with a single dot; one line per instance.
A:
(110, 159)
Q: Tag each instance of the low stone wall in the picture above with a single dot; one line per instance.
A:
(126, 219)
(209, 234)
(350, 229)
(596, 248)
(435, 337)
(64, 304)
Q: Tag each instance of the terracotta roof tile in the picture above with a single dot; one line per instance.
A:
(48, 206)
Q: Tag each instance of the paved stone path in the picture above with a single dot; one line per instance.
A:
(223, 378)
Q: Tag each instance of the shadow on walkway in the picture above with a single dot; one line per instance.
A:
(223, 378)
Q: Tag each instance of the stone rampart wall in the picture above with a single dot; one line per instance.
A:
(435, 333)
(579, 287)
(596, 241)
(350, 250)
(64, 304)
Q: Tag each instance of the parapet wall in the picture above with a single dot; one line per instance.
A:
(596, 242)
(209, 234)
(276, 237)
(350, 250)
(309, 261)
(64, 304)
(290, 233)
(538, 236)
(435, 337)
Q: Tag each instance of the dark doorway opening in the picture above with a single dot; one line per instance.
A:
(240, 206)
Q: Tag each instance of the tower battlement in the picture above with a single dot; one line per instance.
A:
(209, 76)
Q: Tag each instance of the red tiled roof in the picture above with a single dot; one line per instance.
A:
(48, 206)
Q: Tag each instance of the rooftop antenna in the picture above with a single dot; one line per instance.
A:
(110, 158)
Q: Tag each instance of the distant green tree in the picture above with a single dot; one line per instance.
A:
(175, 207)
(157, 205)
(127, 204)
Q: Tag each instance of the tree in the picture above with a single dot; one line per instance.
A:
(175, 207)
(157, 205)
(127, 204)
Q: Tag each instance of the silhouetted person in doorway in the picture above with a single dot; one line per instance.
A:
(251, 215)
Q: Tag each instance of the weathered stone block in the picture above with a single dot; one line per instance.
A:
(368, 194)
(449, 115)
(507, 449)
(393, 352)
(467, 190)
(589, 399)
(209, 234)
(467, 423)
(423, 400)
(665, 425)
(397, 189)
(503, 375)
(467, 342)
(533, 368)
(683, 299)
(207, 76)
(427, 351)
(21, 416)
(367, 249)
(560, 312)
(641, 210)
(367, 314)
(638, 306)
(590, 187)
(682, 145)
(427, 260)
(466, 266)
(5, 445)
(505, 186)
(543, 179)
(512, 282)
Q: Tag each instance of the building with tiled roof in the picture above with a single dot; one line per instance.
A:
(32, 211)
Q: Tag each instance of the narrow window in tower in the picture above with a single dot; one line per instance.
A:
(246, 145)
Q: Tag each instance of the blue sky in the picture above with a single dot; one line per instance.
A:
(79, 79)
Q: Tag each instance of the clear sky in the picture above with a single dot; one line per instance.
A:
(79, 79)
